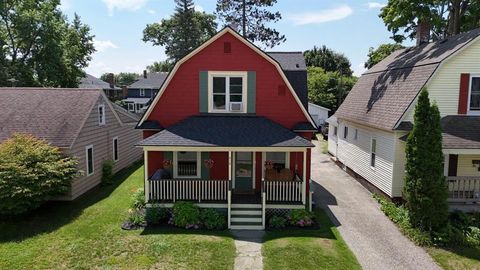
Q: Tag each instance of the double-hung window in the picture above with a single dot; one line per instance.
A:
(115, 149)
(279, 159)
(345, 132)
(228, 92)
(474, 103)
(187, 164)
(373, 152)
(89, 159)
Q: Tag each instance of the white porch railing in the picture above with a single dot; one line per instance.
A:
(464, 189)
(283, 191)
(171, 190)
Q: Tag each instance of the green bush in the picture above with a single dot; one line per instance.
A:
(186, 215)
(31, 172)
(300, 217)
(138, 199)
(277, 222)
(212, 219)
(137, 217)
(107, 172)
(155, 215)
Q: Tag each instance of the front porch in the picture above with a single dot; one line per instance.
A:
(462, 171)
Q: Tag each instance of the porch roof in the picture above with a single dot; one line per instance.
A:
(226, 131)
(461, 132)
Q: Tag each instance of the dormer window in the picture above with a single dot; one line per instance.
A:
(101, 114)
(142, 92)
(474, 97)
(227, 92)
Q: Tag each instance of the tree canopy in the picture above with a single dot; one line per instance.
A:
(160, 66)
(380, 53)
(447, 17)
(122, 78)
(185, 30)
(37, 43)
(250, 17)
(425, 186)
(328, 59)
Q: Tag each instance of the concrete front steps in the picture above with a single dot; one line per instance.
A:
(246, 217)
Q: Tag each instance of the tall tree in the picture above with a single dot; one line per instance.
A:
(446, 17)
(425, 186)
(328, 59)
(185, 30)
(160, 66)
(37, 43)
(380, 53)
(250, 17)
(122, 78)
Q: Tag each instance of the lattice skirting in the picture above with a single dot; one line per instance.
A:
(276, 212)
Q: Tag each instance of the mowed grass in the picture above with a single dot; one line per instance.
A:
(86, 234)
(461, 258)
(321, 248)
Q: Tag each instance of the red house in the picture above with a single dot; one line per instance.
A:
(229, 129)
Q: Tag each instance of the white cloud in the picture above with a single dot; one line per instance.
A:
(375, 5)
(199, 8)
(65, 5)
(103, 45)
(151, 11)
(359, 69)
(132, 5)
(322, 16)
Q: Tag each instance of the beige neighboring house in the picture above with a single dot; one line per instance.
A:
(373, 123)
(82, 122)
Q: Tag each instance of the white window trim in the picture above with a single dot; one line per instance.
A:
(101, 121)
(113, 149)
(345, 132)
(142, 92)
(264, 158)
(175, 166)
(86, 159)
(212, 74)
(371, 152)
(471, 112)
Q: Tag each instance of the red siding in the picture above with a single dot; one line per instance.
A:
(155, 161)
(219, 170)
(148, 133)
(463, 94)
(181, 97)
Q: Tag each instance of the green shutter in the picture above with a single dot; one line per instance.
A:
(251, 91)
(205, 172)
(169, 156)
(203, 91)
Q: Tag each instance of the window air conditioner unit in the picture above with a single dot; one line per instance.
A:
(236, 106)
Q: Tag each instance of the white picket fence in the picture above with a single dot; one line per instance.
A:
(188, 190)
(283, 191)
(463, 189)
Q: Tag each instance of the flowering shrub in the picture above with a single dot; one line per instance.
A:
(155, 215)
(186, 215)
(212, 219)
(137, 200)
(136, 217)
(300, 217)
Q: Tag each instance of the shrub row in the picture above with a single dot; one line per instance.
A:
(296, 217)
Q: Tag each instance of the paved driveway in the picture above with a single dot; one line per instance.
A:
(372, 237)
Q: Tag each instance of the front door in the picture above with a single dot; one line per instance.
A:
(243, 172)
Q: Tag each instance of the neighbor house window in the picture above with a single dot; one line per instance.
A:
(335, 131)
(142, 92)
(475, 94)
(345, 132)
(355, 136)
(115, 148)
(278, 159)
(373, 151)
(228, 92)
(101, 114)
(131, 107)
(187, 164)
(89, 159)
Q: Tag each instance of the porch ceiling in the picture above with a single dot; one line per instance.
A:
(226, 131)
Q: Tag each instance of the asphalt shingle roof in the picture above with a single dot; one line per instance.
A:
(55, 115)
(383, 94)
(461, 132)
(92, 82)
(290, 61)
(154, 81)
(226, 131)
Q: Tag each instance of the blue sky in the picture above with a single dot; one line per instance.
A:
(350, 27)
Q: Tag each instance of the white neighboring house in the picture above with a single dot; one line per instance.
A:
(332, 135)
(376, 117)
(318, 113)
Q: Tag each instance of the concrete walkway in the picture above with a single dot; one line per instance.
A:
(249, 250)
(374, 239)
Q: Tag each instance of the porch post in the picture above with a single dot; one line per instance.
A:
(146, 187)
(304, 183)
(229, 199)
(446, 164)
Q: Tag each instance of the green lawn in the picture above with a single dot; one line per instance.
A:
(323, 143)
(323, 248)
(86, 234)
(457, 259)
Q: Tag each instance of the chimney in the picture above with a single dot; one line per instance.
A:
(144, 74)
(423, 32)
(124, 91)
(110, 79)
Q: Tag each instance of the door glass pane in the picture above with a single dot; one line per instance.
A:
(219, 85)
(187, 163)
(475, 95)
(243, 166)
